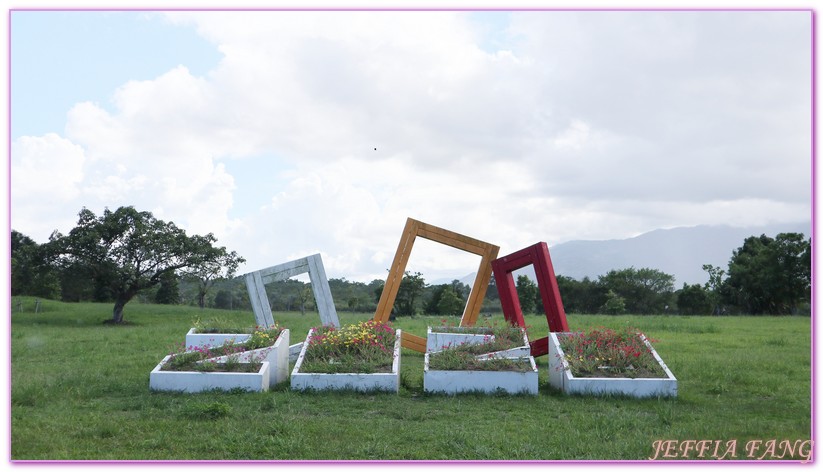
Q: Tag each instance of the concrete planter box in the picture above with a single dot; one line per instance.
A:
(213, 339)
(276, 355)
(438, 340)
(560, 377)
(192, 382)
(389, 382)
(463, 381)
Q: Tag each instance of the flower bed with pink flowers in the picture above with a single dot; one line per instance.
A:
(608, 362)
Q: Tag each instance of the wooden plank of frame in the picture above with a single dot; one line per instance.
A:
(538, 255)
(412, 230)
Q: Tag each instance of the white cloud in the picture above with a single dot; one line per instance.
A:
(580, 125)
(45, 171)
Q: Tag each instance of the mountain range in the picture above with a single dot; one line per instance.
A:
(680, 252)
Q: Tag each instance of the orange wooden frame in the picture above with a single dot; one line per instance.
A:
(487, 252)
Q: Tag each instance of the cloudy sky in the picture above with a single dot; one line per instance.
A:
(289, 133)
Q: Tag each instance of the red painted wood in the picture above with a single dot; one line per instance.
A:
(540, 347)
(538, 256)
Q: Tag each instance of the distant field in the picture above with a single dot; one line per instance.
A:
(80, 392)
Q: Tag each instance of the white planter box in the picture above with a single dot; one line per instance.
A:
(560, 377)
(354, 381)
(437, 341)
(213, 339)
(462, 381)
(276, 355)
(192, 382)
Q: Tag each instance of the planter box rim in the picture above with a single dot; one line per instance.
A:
(196, 381)
(530, 359)
(560, 376)
(567, 368)
(159, 367)
(432, 338)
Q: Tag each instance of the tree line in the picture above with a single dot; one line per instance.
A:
(124, 254)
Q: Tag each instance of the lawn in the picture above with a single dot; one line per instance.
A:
(80, 392)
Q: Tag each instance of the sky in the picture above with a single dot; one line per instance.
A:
(290, 133)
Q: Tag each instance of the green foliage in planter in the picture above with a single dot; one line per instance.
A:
(504, 334)
(459, 358)
(218, 326)
(464, 356)
(610, 353)
(365, 347)
(198, 358)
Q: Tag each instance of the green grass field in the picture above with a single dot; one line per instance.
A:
(80, 392)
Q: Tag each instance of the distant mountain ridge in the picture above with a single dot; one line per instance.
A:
(680, 252)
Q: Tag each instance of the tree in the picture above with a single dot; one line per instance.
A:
(32, 273)
(446, 299)
(584, 296)
(169, 291)
(614, 305)
(224, 299)
(129, 251)
(693, 300)
(435, 294)
(450, 303)
(408, 294)
(219, 266)
(714, 287)
(305, 295)
(770, 275)
(645, 291)
(526, 293)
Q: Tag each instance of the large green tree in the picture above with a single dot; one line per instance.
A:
(221, 266)
(770, 275)
(714, 287)
(130, 250)
(31, 270)
(646, 291)
(527, 294)
(409, 294)
(693, 300)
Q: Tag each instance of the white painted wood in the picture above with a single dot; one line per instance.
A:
(354, 381)
(259, 300)
(285, 270)
(560, 377)
(294, 351)
(256, 285)
(193, 382)
(437, 340)
(276, 355)
(513, 353)
(322, 291)
(213, 339)
(464, 381)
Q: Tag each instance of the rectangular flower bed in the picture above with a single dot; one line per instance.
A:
(213, 339)
(497, 360)
(379, 381)
(192, 382)
(276, 355)
(561, 377)
(487, 381)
